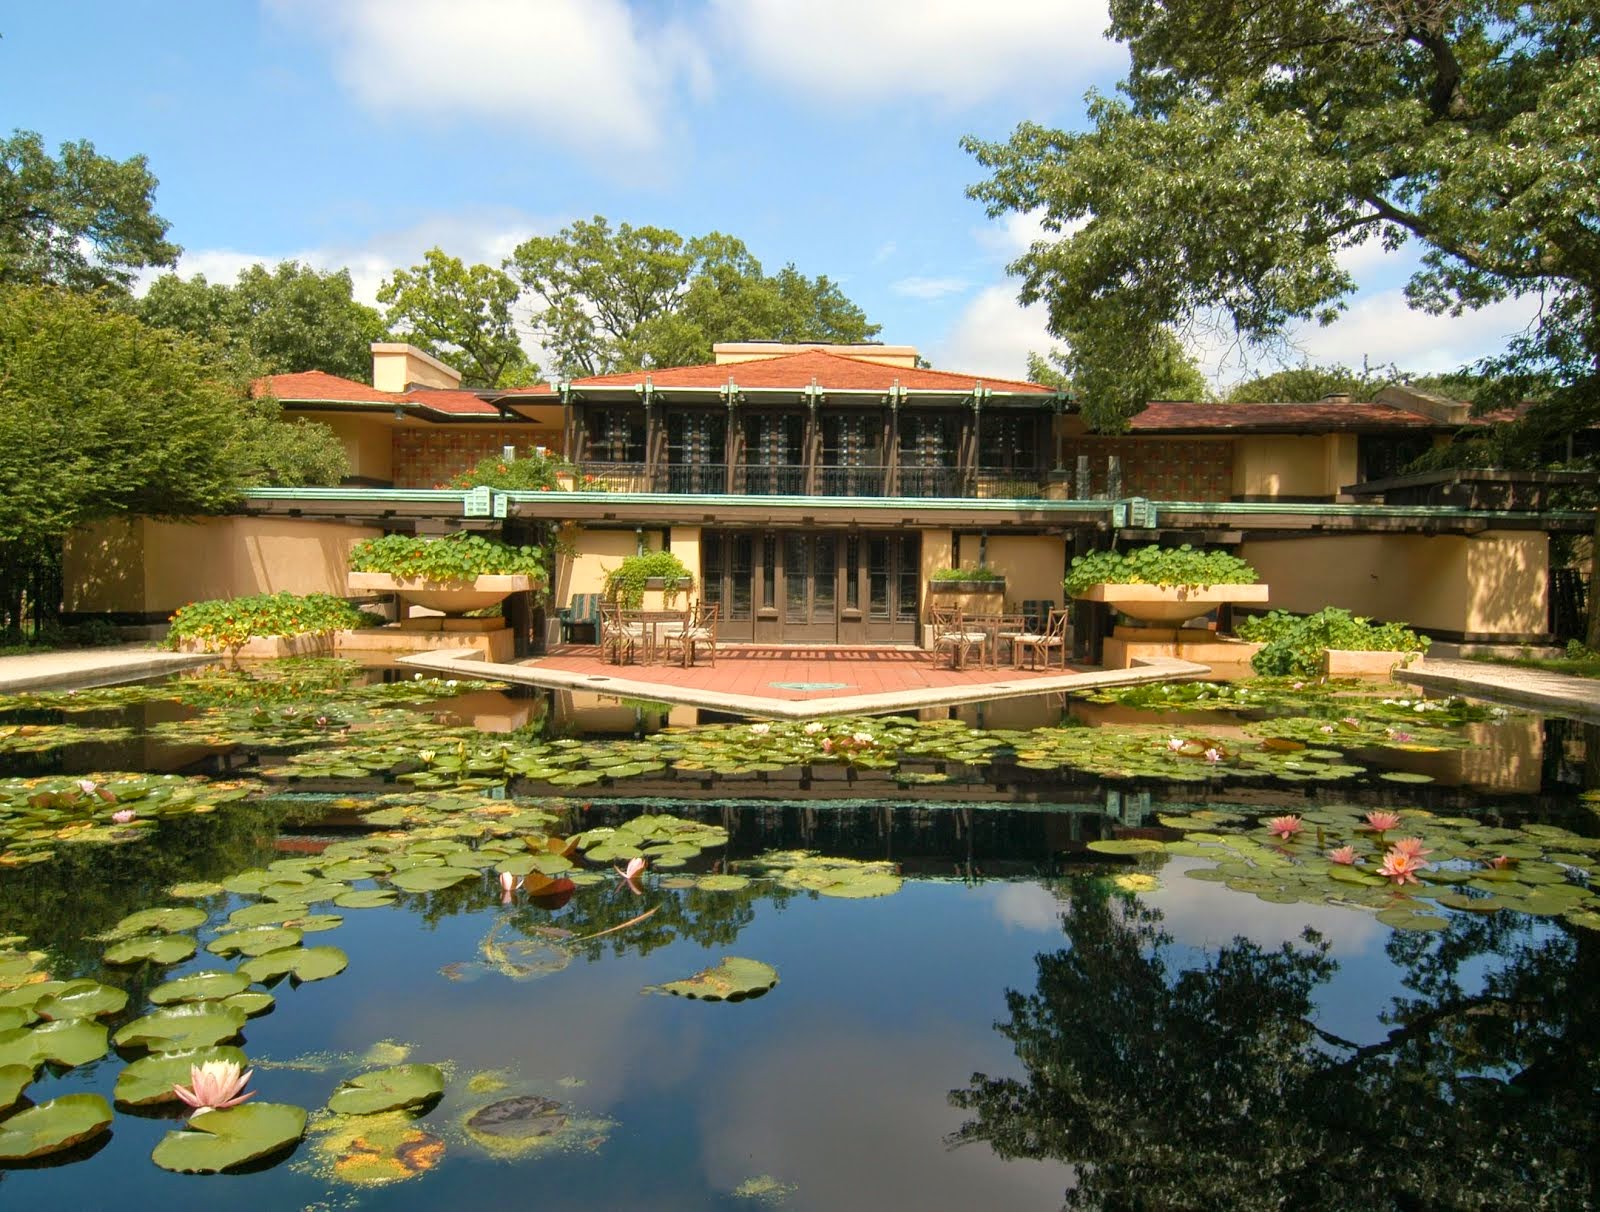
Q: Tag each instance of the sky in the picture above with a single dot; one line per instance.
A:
(360, 133)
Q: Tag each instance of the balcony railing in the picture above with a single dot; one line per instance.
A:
(782, 480)
(792, 479)
(930, 482)
(693, 477)
(612, 477)
(1015, 483)
(860, 481)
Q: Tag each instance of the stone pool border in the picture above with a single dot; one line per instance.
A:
(1551, 693)
(84, 667)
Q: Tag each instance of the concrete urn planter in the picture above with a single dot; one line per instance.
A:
(452, 597)
(1169, 603)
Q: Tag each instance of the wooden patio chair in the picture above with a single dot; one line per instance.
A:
(699, 633)
(951, 634)
(1040, 644)
(616, 636)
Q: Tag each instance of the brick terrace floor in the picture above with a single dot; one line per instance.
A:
(795, 673)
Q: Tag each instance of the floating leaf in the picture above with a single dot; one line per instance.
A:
(734, 979)
(1127, 845)
(73, 1041)
(153, 948)
(194, 890)
(1405, 776)
(302, 963)
(199, 987)
(53, 1126)
(257, 940)
(722, 883)
(427, 879)
(375, 1150)
(91, 1002)
(14, 1079)
(150, 1079)
(366, 898)
(175, 1028)
(392, 1089)
(223, 1140)
(162, 920)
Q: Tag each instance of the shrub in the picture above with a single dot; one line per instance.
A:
(530, 473)
(1294, 644)
(229, 622)
(626, 581)
(967, 574)
(461, 557)
(1155, 565)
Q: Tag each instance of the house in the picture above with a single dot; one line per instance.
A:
(815, 490)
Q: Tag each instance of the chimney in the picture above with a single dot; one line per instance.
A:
(1337, 397)
(398, 367)
(1426, 403)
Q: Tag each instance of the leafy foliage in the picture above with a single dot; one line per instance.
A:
(461, 314)
(529, 472)
(460, 557)
(1307, 383)
(83, 221)
(645, 296)
(290, 318)
(1154, 565)
(983, 573)
(228, 623)
(626, 582)
(1295, 644)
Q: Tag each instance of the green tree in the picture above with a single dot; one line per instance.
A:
(101, 415)
(1307, 383)
(637, 297)
(286, 319)
(83, 220)
(1255, 143)
(463, 315)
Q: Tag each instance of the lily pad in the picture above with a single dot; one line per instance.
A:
(366, 898)
(91, 1002)
(14, 1079)
(163, 920)
(256, 940)
(150, 1079)
(393, 1089)
(1127, 845)
(223, 1140)
(51, 1127)
(522, 1118)
(153, 948)
(199, 987)
(194, 890)
(733, 980)
(73, 1041)
(175, 1028)
(426, 879)
(302, 963)
(722, 883)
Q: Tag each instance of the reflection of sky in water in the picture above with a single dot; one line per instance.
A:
(837, 1081)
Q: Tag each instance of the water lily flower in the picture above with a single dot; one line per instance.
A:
(1326, 730)
(1410, 845)
(425, 755)
(1402, 867)
(1499, 861)
(761, 729)
(827, 744)
(1344, 854)
(123, 816)
(1398, 735)
(1213, 755)
(863, 738)
(1297, 686)
(1174, 743)
(214, 1085)
(635, 868)
(508, 885)
(813, 728)
(1350, 721)
(87, 786)
(1285, 826)
(1382, 822)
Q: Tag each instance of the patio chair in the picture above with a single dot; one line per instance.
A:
(1040, 644)
(698, 635)
(582, 611)
(616, 636)
(951, 634)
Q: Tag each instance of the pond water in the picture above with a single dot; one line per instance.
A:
(1025, 954)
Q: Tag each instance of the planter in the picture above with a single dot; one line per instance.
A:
(271, 647)
(452, 597)
(987, 586)
(1170, 603)
(1351, 662)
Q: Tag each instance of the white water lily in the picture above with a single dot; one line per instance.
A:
(761, 729)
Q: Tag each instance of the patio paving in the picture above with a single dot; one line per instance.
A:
(795, 682)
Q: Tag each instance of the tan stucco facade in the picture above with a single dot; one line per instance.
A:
(1290, 465)
(1492, 584)
(397, 366)
(140, 565)
(368, 442)
(1033, 565)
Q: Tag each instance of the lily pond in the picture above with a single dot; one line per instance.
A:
(410, 943)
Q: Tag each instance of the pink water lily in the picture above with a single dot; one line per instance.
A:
(87, 786)
(1499, 861)
(1285, 826)
(635, 868)
(1213, 755)
(1175, 743)
(1345, 855)
(124, 816)
(1410, 845)
(1382, 822)
(1402, 867)
(214, 1085)
(508, 885)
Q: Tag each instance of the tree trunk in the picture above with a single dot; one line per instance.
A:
(1592, 631)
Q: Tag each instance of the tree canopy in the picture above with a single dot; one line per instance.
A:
(80, 220)
(463, 315)
(1254, 144)
(286, 319)
(101, 415)
(631, 297)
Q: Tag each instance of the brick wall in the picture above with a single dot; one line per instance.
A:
(427, 458)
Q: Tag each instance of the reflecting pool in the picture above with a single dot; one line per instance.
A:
(1095, 954)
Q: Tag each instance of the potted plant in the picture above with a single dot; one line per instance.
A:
(266, 625)
(658, 570)
(456, 574)
(1332, 641)
(967, 580)
(1163, 584)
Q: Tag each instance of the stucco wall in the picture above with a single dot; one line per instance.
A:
(368, 442)
(937, 546)
(1285, 465)
(1493, 584)
(139, 565)
(595, 553)
(1033, 565)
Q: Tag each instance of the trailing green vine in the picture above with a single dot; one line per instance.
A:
(626, 582)
(1153, 565)
(966, 574)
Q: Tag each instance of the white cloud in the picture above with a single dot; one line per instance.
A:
(993, 335)
(589, 73)
(1025, 905)
(884, 252)
(953, 51)
(928, 288)
(1381, 328)
(1014, 232)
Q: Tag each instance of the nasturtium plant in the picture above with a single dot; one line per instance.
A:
(223, 624)
(1155, 565)
(458, 557)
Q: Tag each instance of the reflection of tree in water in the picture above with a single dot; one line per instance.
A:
(1212, 1087)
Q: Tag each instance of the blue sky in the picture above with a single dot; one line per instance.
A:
(361, 132)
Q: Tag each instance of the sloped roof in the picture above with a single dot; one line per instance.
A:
(797, 370)
(318, 387)
(1324, 416)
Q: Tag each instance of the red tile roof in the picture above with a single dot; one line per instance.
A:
(797, 370)
(1324, 416)
(319, 385)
